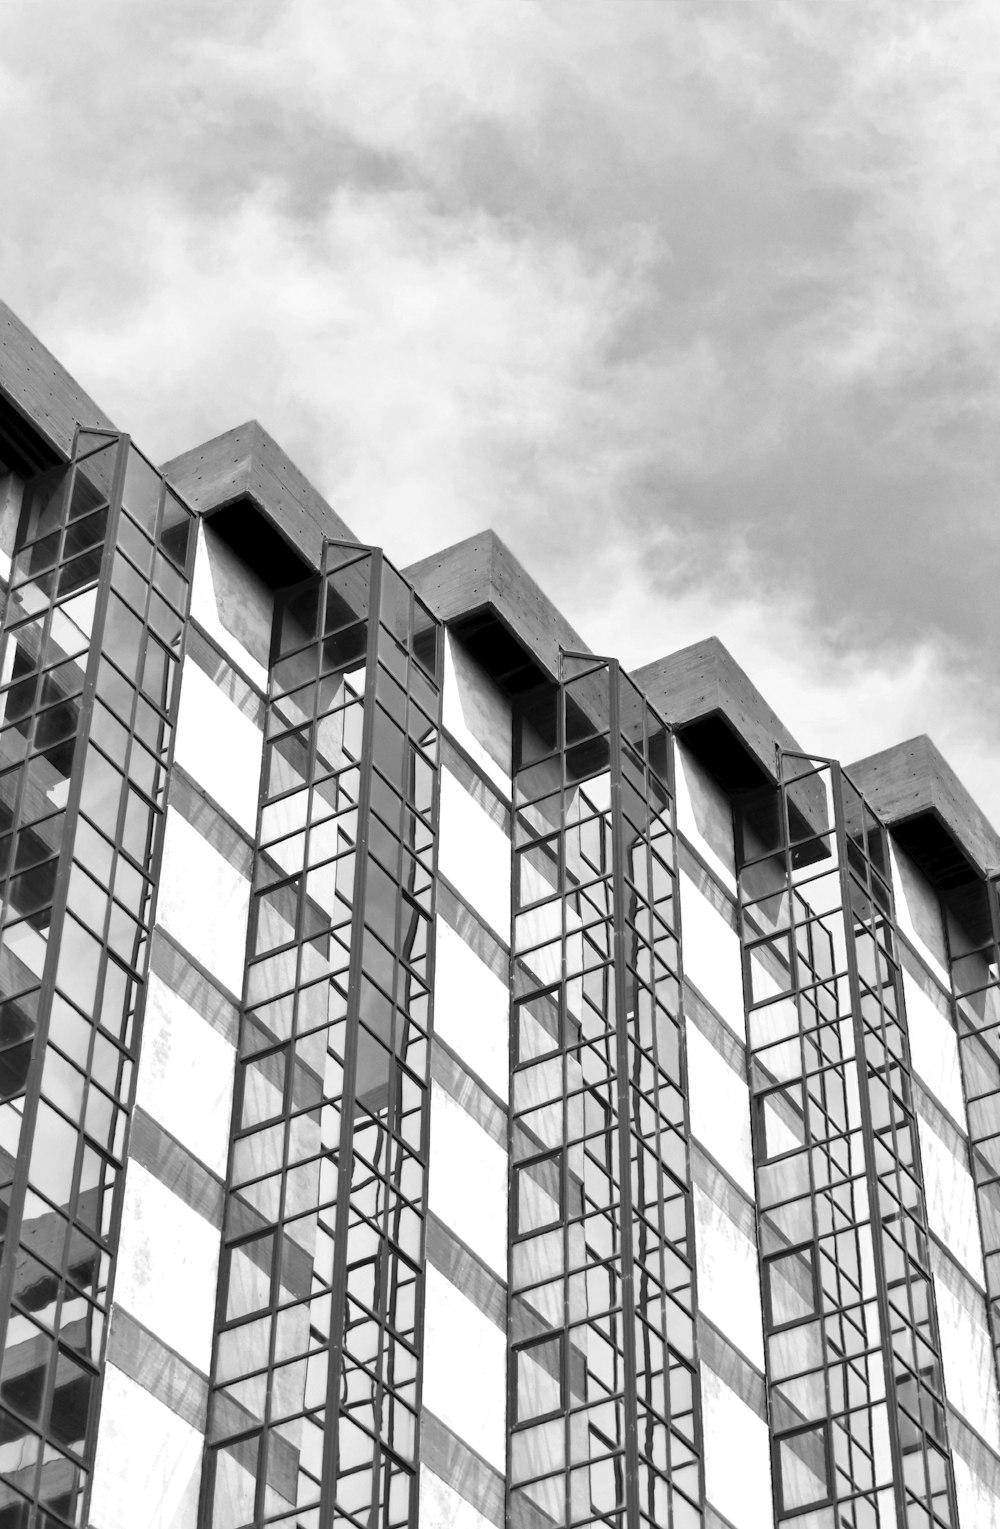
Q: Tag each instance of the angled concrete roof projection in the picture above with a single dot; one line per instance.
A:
(246, 465)
(41, 392)
(477, 584)
(704, 693)
(257, 498)
(915, 791)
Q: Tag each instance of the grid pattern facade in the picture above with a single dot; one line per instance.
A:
(603, 1412)
(317, 1358)
(973, 944)
(92, 639)
(856, 1399)
(690, 1228)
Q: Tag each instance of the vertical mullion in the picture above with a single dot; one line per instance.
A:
(562, 898)
(828, 1080)
(155, 843)
(108, 1152)
(871, 1167)
(683, 1087)
(338, 1290)
(624, 1107)
(915, 1172)
(239, 1132)
(380, 1120)
(991, 1261)
(964, 1036)
(840, 1069)
(70, 817)
(69, 843)
(429, 975)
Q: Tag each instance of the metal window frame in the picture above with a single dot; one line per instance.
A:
(625, 1081)
(137, 972)
(857, 875)
(409, 818)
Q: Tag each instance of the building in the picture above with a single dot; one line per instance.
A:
(448, 1080)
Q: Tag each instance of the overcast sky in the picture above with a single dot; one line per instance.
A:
(697, 303)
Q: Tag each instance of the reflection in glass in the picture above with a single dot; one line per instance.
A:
(332, 1084)
(591, 1315)
(972, 922)
(834, 1145)
(60, 1206)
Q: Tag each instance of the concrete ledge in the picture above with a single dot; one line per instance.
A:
(477, 584)
(246, 466)
(916, 793)
(44, 404)
(703, 693)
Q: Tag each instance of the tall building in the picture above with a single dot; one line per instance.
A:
(447, 1080)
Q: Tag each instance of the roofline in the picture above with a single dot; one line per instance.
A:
(41, 391)
(247, 464)
(912, 781)
(481, 575)
(703, 683)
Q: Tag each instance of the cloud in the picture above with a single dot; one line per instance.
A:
(699, 295)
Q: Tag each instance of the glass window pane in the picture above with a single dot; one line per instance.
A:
(235, 1484)
(791, 1285)
(536, 1451)
(539, 1378)
(74, 1392)
(53, 1154)
(175, 538)
(783, 1123)
(250, 1268)
(141, 495)
(803, 1467)
(539, 1194)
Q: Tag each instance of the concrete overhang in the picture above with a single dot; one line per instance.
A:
(258, 499)
(40, 403)
(917, 794)
(478, 588)
(719, 712)
(41, 406)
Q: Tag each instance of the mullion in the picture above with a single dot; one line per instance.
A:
(307, 788)
(275, 1225)
(881, 1228)
(982, 1108)
(800, 967)
(795, 983)
(907, 1313)
(51, 1361)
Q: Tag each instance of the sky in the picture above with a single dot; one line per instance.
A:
(695, 302)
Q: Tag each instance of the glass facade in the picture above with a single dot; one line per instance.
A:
(972, 923)
(855, 1386)
(91, 648)
(603, 1409)
(316, 1376)
(675, 1219)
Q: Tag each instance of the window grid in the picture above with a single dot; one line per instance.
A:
(853, 1358)
(604, 1426)
(972, 924)
(316, 1370)
(85, 806)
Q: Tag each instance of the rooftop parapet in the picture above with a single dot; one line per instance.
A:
(917, 794)
(40, 403)
(246, 470)
(480, 589)
(715, 706)
(259, 500)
